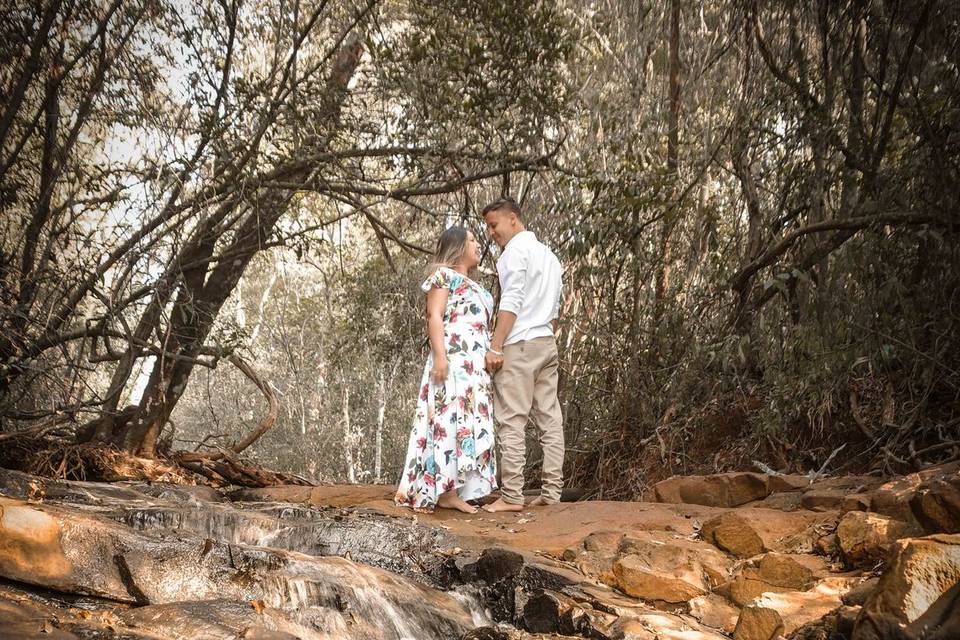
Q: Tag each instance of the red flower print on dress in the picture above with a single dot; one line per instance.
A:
(448, 485)
(429, 480)
(468, 367)
(424, 391)
(439, 432)
(421, 444)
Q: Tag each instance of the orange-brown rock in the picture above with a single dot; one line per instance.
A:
(865, 538)
(746, 533)
(893, 498)
(720, 490)
(920, 571)
(658, 566)
(823, 499)
(714, 611)
(774, 573)
(936, 505)
(779, 614)
(661, 626)
(724, 489)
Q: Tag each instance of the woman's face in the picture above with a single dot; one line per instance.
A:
(471, 252)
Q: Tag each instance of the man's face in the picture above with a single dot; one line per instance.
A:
(501, 226)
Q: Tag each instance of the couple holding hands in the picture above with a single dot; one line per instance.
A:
(472, 379)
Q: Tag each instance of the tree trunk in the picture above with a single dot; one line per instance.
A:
(201, 297)
(347, 433)
(662, 283)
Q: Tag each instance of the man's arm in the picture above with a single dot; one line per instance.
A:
(513, 284)
(505, 320)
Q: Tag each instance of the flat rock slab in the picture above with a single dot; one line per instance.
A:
(549, 529)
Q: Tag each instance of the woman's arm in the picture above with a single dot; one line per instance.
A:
(436, 306)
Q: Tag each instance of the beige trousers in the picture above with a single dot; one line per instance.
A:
(524, 388)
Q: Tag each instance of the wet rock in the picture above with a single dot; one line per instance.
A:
(74, 552)
(865, 538)
(657, 566)
(714, 611)
(498, 564)
(226, 620)
(920, 571)
(553, 612)
(774, 614)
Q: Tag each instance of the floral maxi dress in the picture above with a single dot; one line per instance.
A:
(451, 442)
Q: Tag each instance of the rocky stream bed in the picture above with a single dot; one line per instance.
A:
(742, 555)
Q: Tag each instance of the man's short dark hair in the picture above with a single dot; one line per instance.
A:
(507, 204)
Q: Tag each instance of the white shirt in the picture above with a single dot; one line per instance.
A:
(530, 282)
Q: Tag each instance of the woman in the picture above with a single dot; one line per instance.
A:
(450, 454)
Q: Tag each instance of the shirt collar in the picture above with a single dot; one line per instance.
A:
(524, 235)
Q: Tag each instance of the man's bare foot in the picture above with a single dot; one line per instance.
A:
(500, 505)
(450, 500)
(539, 501)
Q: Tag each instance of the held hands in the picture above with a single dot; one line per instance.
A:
(438, 375)
(493, 361)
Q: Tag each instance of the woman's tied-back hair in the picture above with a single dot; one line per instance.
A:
(450, 247)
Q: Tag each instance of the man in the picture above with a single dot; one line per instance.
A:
(523, 355)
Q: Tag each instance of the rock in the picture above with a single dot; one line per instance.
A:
(823, 499)
(856, 502)
(787, 483)
(714, 611)
(734, 534)
(81, 553)
(661, 626)
(774, 572)
(936, 505)
(894, 498)
(724, 489)
(835, 625)
(775, 614)
(939, 622)
(228, 619)
(657, 566)
(746, 533)
(858, 594)
(827, 545)
(786, 501)
(607, 542)
(920, 571)
(865, 538)
(497, 564)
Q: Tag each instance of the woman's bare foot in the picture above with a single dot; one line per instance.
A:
(450, 500)
(500, 505)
